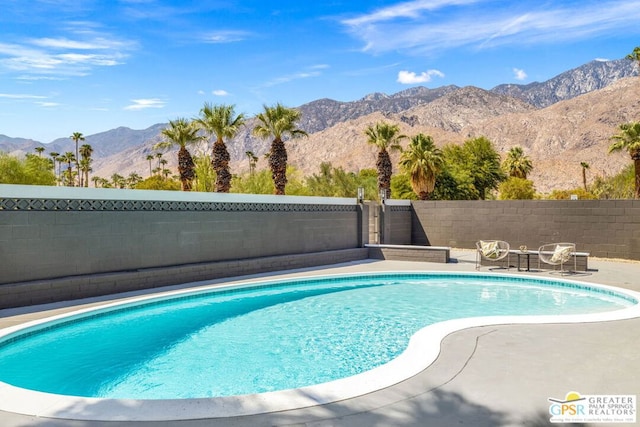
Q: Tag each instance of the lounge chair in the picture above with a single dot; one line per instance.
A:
(491, 250)
(557, 254)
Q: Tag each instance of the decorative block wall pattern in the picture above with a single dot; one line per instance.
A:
(19, 204)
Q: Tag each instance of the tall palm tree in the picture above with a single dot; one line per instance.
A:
(386, 137)
(253, 161)
(222, 122)
(584, 166)
(182, 132)
(85, 168)
(149, 158)
(517, 164)
(60, 161)
(629, 139)
(278, 122)
(77, 136)
(54, 158)
(422, 160)
(159, 157)
(39, 150)
(86, 151)
(68, 158)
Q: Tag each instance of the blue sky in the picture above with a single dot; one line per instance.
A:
(93, 65)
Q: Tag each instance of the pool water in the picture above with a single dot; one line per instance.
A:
(271, 337)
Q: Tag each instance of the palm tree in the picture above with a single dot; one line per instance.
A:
(39, 150)
(85, 163)
(118, 181)
(182, 132)
(159, 157)
(166, 172)
(635, 56)
(517, 164)
(105, 183)
(253, 161)
(163, 171)
(96, 180)
(60, 161)
(133, 179)
(54, 158)
(585, 166)
(77, 136)
(629, 139)
(149, 158)
(386, 137)
(68, 158)
(85, 168)
(422, 161)
(222, 122)
(278, 122)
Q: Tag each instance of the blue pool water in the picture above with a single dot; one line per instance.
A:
(269, 337)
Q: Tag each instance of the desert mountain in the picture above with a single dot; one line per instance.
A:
(556, 138)
(104, 144)
(559, 137)
(559, 123)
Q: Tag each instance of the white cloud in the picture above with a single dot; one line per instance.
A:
(314, 71)
(226, 36)
(48, 104)
(409, 77)
(291, 77)
(34, 78)
(519, 74)
(220, 92)
(20, 96)
(65, 56)
(143, 104)
(411, 9)
(64, 43)
(423, 26)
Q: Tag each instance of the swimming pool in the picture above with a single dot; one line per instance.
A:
(248, 340)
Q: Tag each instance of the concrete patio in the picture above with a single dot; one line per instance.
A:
(484, 376)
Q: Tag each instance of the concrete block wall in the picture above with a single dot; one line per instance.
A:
(605, 228)
(58, 240)
(49, 232)
(397, 222)
(409, 253)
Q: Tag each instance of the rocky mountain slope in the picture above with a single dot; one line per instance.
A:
(556, 138)
(584, 79)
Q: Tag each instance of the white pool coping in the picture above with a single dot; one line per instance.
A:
(422, 351)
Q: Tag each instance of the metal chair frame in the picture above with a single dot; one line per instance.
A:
(554, 254)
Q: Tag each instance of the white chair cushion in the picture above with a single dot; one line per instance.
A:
(561, 254)
(489, 249)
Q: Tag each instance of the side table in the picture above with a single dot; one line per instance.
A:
(528, 255)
